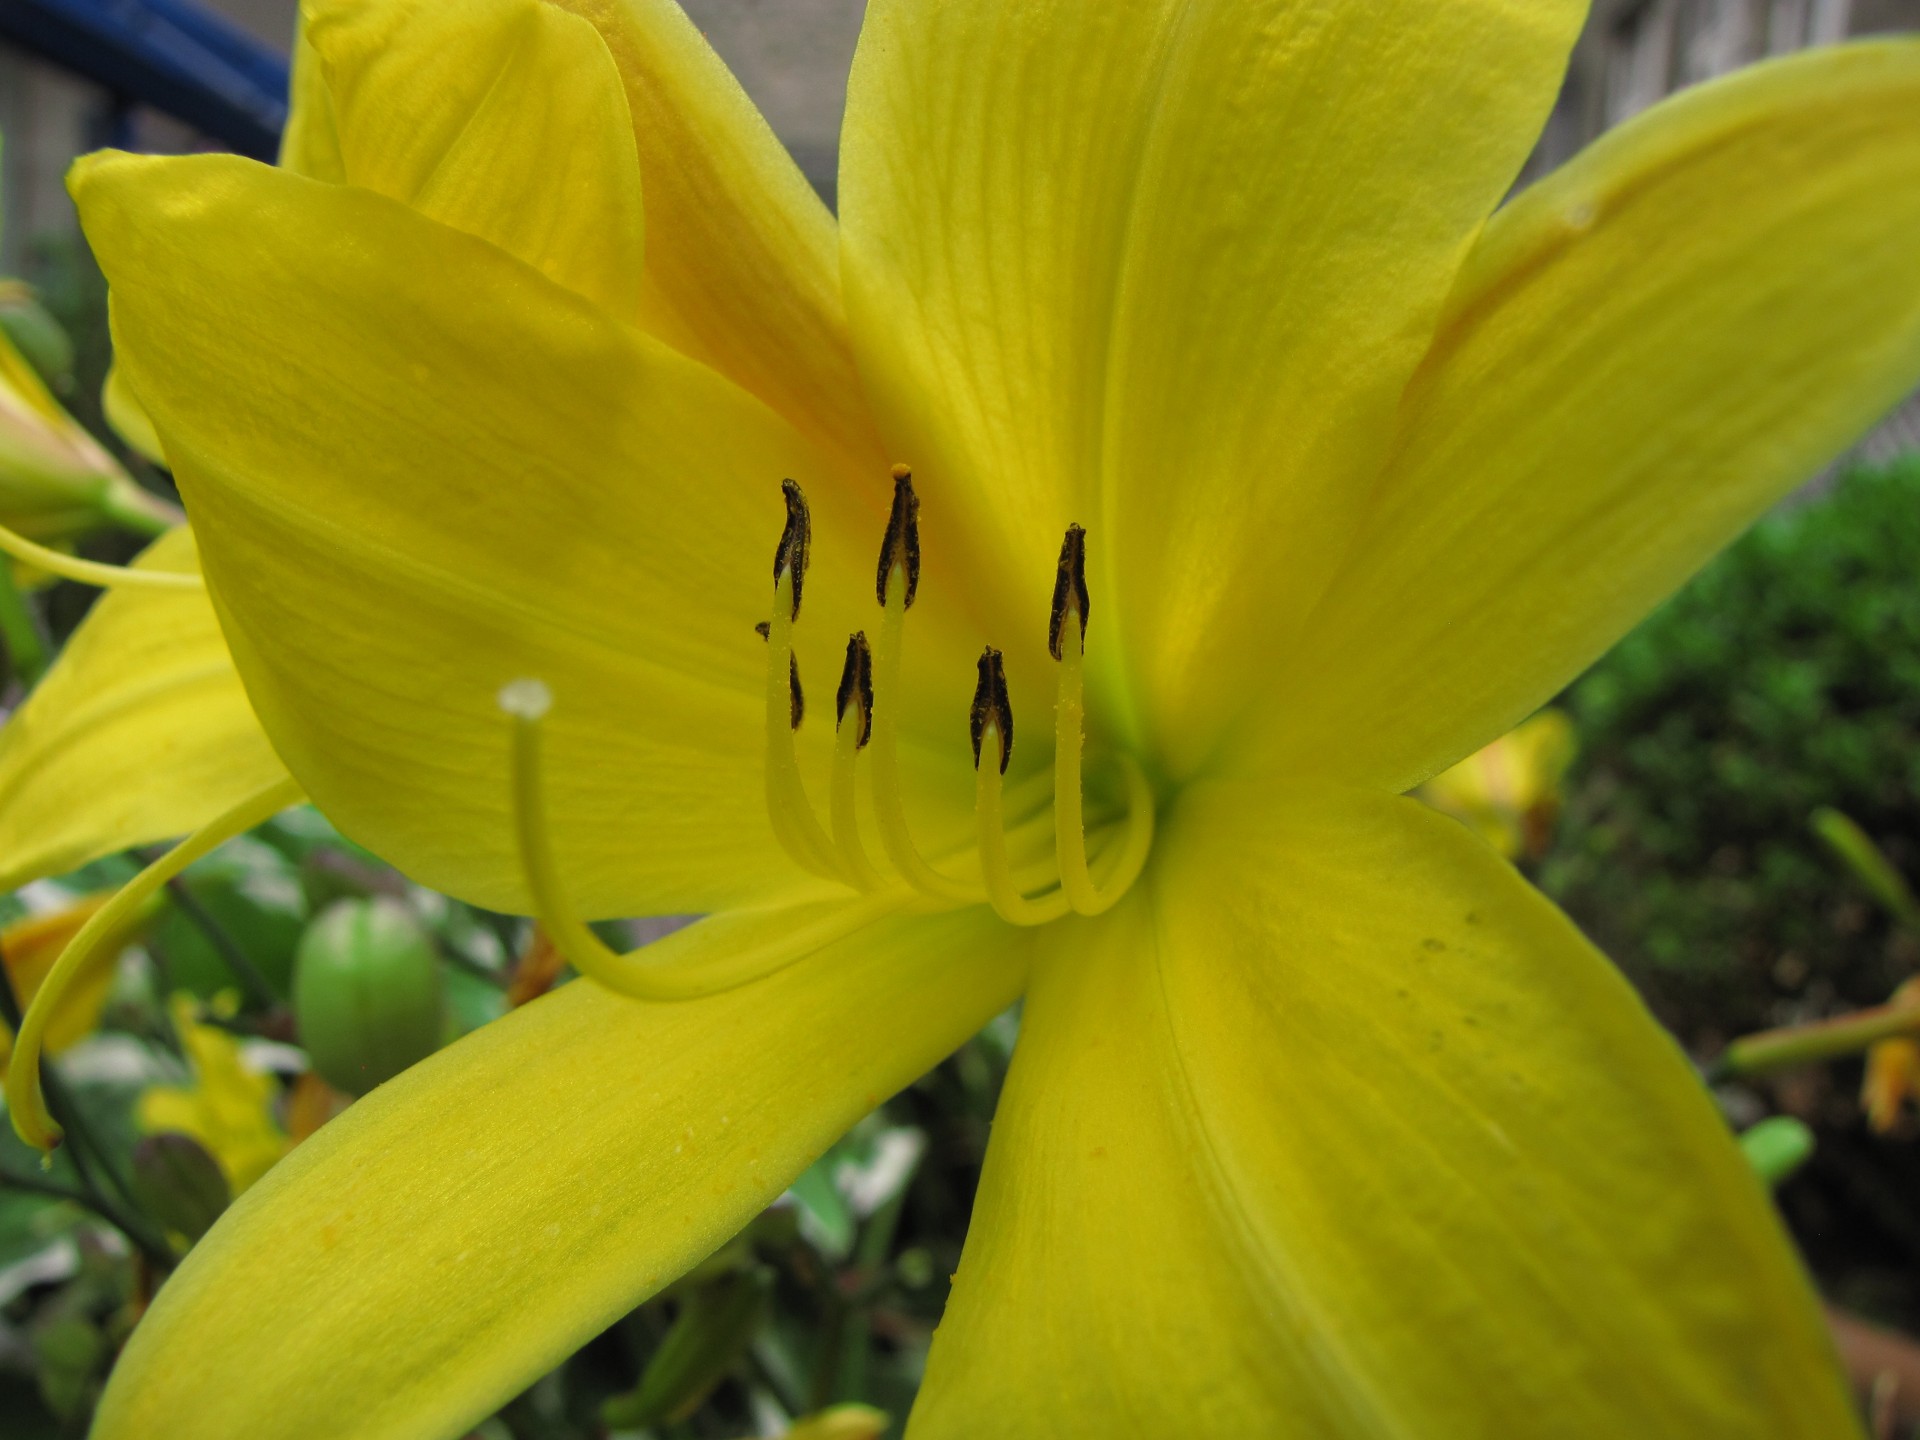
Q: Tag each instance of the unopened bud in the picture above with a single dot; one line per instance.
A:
(366, 993)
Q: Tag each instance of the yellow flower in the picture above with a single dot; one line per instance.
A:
(228, 1108)
(1509, 791)
(29, 949)
(1329, 1126)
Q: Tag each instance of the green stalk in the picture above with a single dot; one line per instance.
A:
(1792, 1045)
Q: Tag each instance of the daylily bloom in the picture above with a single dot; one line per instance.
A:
(1321, 1121)
(1509, 790)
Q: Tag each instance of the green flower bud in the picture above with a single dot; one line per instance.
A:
(366, 993)
(178, 1183)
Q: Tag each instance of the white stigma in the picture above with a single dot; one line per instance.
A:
(526, 699)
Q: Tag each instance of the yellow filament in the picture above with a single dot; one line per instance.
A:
(1069, 820)
(1012, 906)
(794, 823)
(1139, 839)
(25, 1103)
(887, 802)
(91, 572)
(846, 822)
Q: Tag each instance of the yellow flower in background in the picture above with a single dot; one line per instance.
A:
(228, 1107)
(498, 379)
(29, 949)
(1893, 1070)
(1509, 791)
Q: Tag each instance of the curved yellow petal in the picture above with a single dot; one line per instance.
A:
(310, 143)
(743, 265)
(1646, 350)
(52, 472)
(421, 471)
(467, 1225)
(29, 948)
(140, 731)
(1163, 268)
(502, 118)
(128, 417)
(1343, 1131)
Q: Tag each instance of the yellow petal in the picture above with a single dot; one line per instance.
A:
(422, 471)
(502, 118)
(1646, 350)
(464, 1227)
(139, 732)
(743, 266)
(52, 472)
(310, 144)
(1163, 268)
(228, 1108)
(1342, 1131)
(29, 949)
(128, 417)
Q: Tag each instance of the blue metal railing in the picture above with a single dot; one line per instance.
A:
(171, 54)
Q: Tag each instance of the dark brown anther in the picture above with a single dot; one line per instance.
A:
(1069, 590)
(797, 703)
(856, 686)
(796, 540)
(901, 548)
(992, 707)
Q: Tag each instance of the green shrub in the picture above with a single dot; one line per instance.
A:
(1785, 677)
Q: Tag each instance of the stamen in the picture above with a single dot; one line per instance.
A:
(900, 560)
(92, 572)
(25, 1103)
(901, 548)
(795, 824)
(992, 725)
(856, 690)
(1067, 642)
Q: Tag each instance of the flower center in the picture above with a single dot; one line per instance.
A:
(866, 716)
(1009, 866)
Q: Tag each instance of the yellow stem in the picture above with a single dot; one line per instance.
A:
(25, 1103)
(887, 802)
(92, 572)
(1013, 907)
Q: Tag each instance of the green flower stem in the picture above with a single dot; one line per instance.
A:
(19, 630)
(1792, 1045)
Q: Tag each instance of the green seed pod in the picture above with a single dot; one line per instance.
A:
(178, 1183)
(366, 993)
